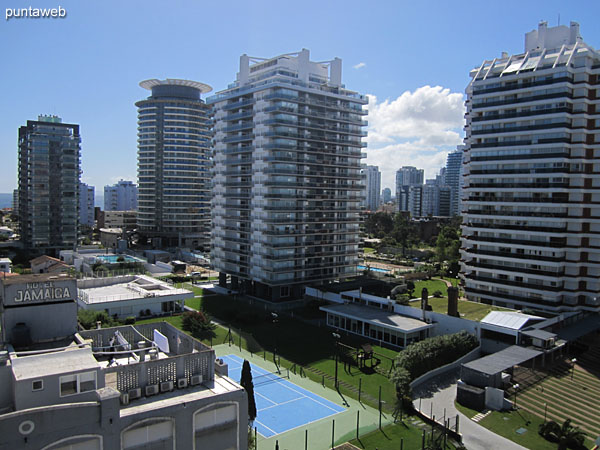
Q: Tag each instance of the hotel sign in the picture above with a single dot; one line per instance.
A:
(40, 292)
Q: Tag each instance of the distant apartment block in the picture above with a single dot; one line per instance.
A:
(122, 196)
(48, 176)
(287, 182)
(407, 177)
(453, 178)
(126, 220)
(386, 195)
(373, 188)
(15, 203)
(174, 164)
(531, 214)
(86, 206)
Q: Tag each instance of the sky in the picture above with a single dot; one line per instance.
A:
(412, 58)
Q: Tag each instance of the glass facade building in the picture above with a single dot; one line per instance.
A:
(287, 176)
(174, 164)
(48, 173)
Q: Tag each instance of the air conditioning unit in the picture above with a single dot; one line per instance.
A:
(166, 386)
(124, 399)
(151, 390)
(182, 383)
(135, 393)
(196, 379)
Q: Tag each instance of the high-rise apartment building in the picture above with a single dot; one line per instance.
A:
(531, 233)
(435, 200)
(373, 188)
(453, 179)
(122, 196)
(86, 206)
(287, 181)
(406, 177)
(49, 160)
(174, 163)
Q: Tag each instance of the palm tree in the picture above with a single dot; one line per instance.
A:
(567, 435)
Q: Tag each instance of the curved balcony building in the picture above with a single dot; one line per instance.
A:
(174, 164)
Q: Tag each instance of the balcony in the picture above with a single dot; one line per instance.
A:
(530, 243)
(525, 128)
(521, 284)
(475, 251)
(239, 104)
(538, 112)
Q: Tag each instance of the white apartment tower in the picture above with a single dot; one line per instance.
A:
(122, 196)
(286, 182)
(373, 186)
(531, 211)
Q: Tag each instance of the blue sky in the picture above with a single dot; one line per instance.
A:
(412, 57)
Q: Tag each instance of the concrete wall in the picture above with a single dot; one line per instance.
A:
(6, 391)
(45, 322)
(25, 398)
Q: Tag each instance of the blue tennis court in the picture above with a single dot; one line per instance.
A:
(280, 404)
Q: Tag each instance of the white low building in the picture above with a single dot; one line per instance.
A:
(131, 295)
(379, 325)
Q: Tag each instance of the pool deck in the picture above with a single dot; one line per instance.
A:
(319, 432)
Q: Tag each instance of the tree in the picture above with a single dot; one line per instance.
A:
(198, 324)
(247, 383)
(447, 248)
(567, 435)
(404, 233)
(379, 225)
(400, 377)
(410, 287)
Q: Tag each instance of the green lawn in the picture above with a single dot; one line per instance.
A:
(368, 250)
(467, 310)
(390, 437)
(432, 286)
(507, 423)
(295, 342)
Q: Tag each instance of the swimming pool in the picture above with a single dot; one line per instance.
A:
(114, 259)
(374, 269)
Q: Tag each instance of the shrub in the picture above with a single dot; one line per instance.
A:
(402, 299)
(88, 318)
(438, 294)
(129, 320)
(434, 352)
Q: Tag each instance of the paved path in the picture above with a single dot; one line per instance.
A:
(441, 392)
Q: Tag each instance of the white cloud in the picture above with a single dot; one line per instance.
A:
(360, 65)
(416, 129)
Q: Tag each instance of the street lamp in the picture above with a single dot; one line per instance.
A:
(337, 337)
(274, 319)
(516, 388)
(573, 362)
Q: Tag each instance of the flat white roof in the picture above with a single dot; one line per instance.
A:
(509, 319)
(54, 363)
(141, 287)
(379, 317)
